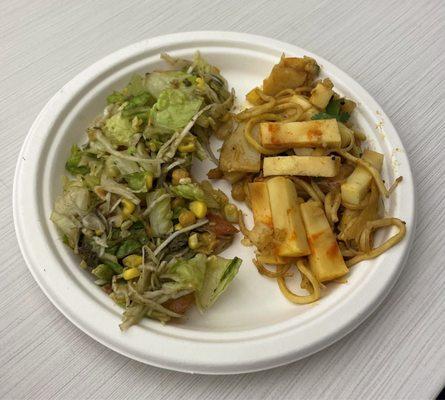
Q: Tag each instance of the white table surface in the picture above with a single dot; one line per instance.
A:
(395, 49)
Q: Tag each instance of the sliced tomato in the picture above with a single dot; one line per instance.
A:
(181, 304)
(219, 226)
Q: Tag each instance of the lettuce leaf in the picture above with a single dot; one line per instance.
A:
(219, 273)
(136, 181)
(127, 247)
(157, 82)
(74, 201)
(174, 109)
(68, 226)
(161, 214)
(204, 191)
(119, 130)
(139, 106)
(73, 166)
(190, 273)
(189, 191)
(136, 86)
(112, 186)
(214, 198)
(115, 98)
(124, 166)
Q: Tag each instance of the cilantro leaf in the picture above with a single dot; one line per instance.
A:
(333, 111)
(333, 107)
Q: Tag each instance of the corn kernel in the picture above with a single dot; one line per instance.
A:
(131, 273)
(187, 145)
(200, 83)
(231, 213)
(149, 181)
(187, 148)
(128, 208)
(153, 146)
(186, 218)
(132, 261)
(178, 174)
(178, 202)
(193, 241)
(98, 232)
(178, 227)
(199, 208)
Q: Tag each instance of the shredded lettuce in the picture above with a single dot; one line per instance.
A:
(204, 191)
(129, 246)
(161, 215)
(112, 186)
(136, 181)
(174, 109)
(136, 86)
(190, 273)
(124, 166)
(115, 97)
(189, 191)
(214, 198)
(74, 201)
(68, 226)
(139, 106)
(119, 130)
(148, 164)
(157, 82)
(73, 164)
(102, 271)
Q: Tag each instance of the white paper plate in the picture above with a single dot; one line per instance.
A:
(252, 327)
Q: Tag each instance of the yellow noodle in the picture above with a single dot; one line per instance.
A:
(287, 106)
(392, 241)
(284, 100)
(295, 117)
(265, 97)
(295, 298)
(331, 205)
(248, 133)
(280, 272)
(353, 228)
(285, 92)
(360, 136)
(364, 241)
(242, 225)
(303, 89)
(327, 207)
(374, 173)
(256, 110)
(351, 141)
(317, 190)
(308, 188)
(335, 206)
(348, 252)
(360, 206)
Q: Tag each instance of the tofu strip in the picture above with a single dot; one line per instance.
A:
(326, 166)
(284, 135)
